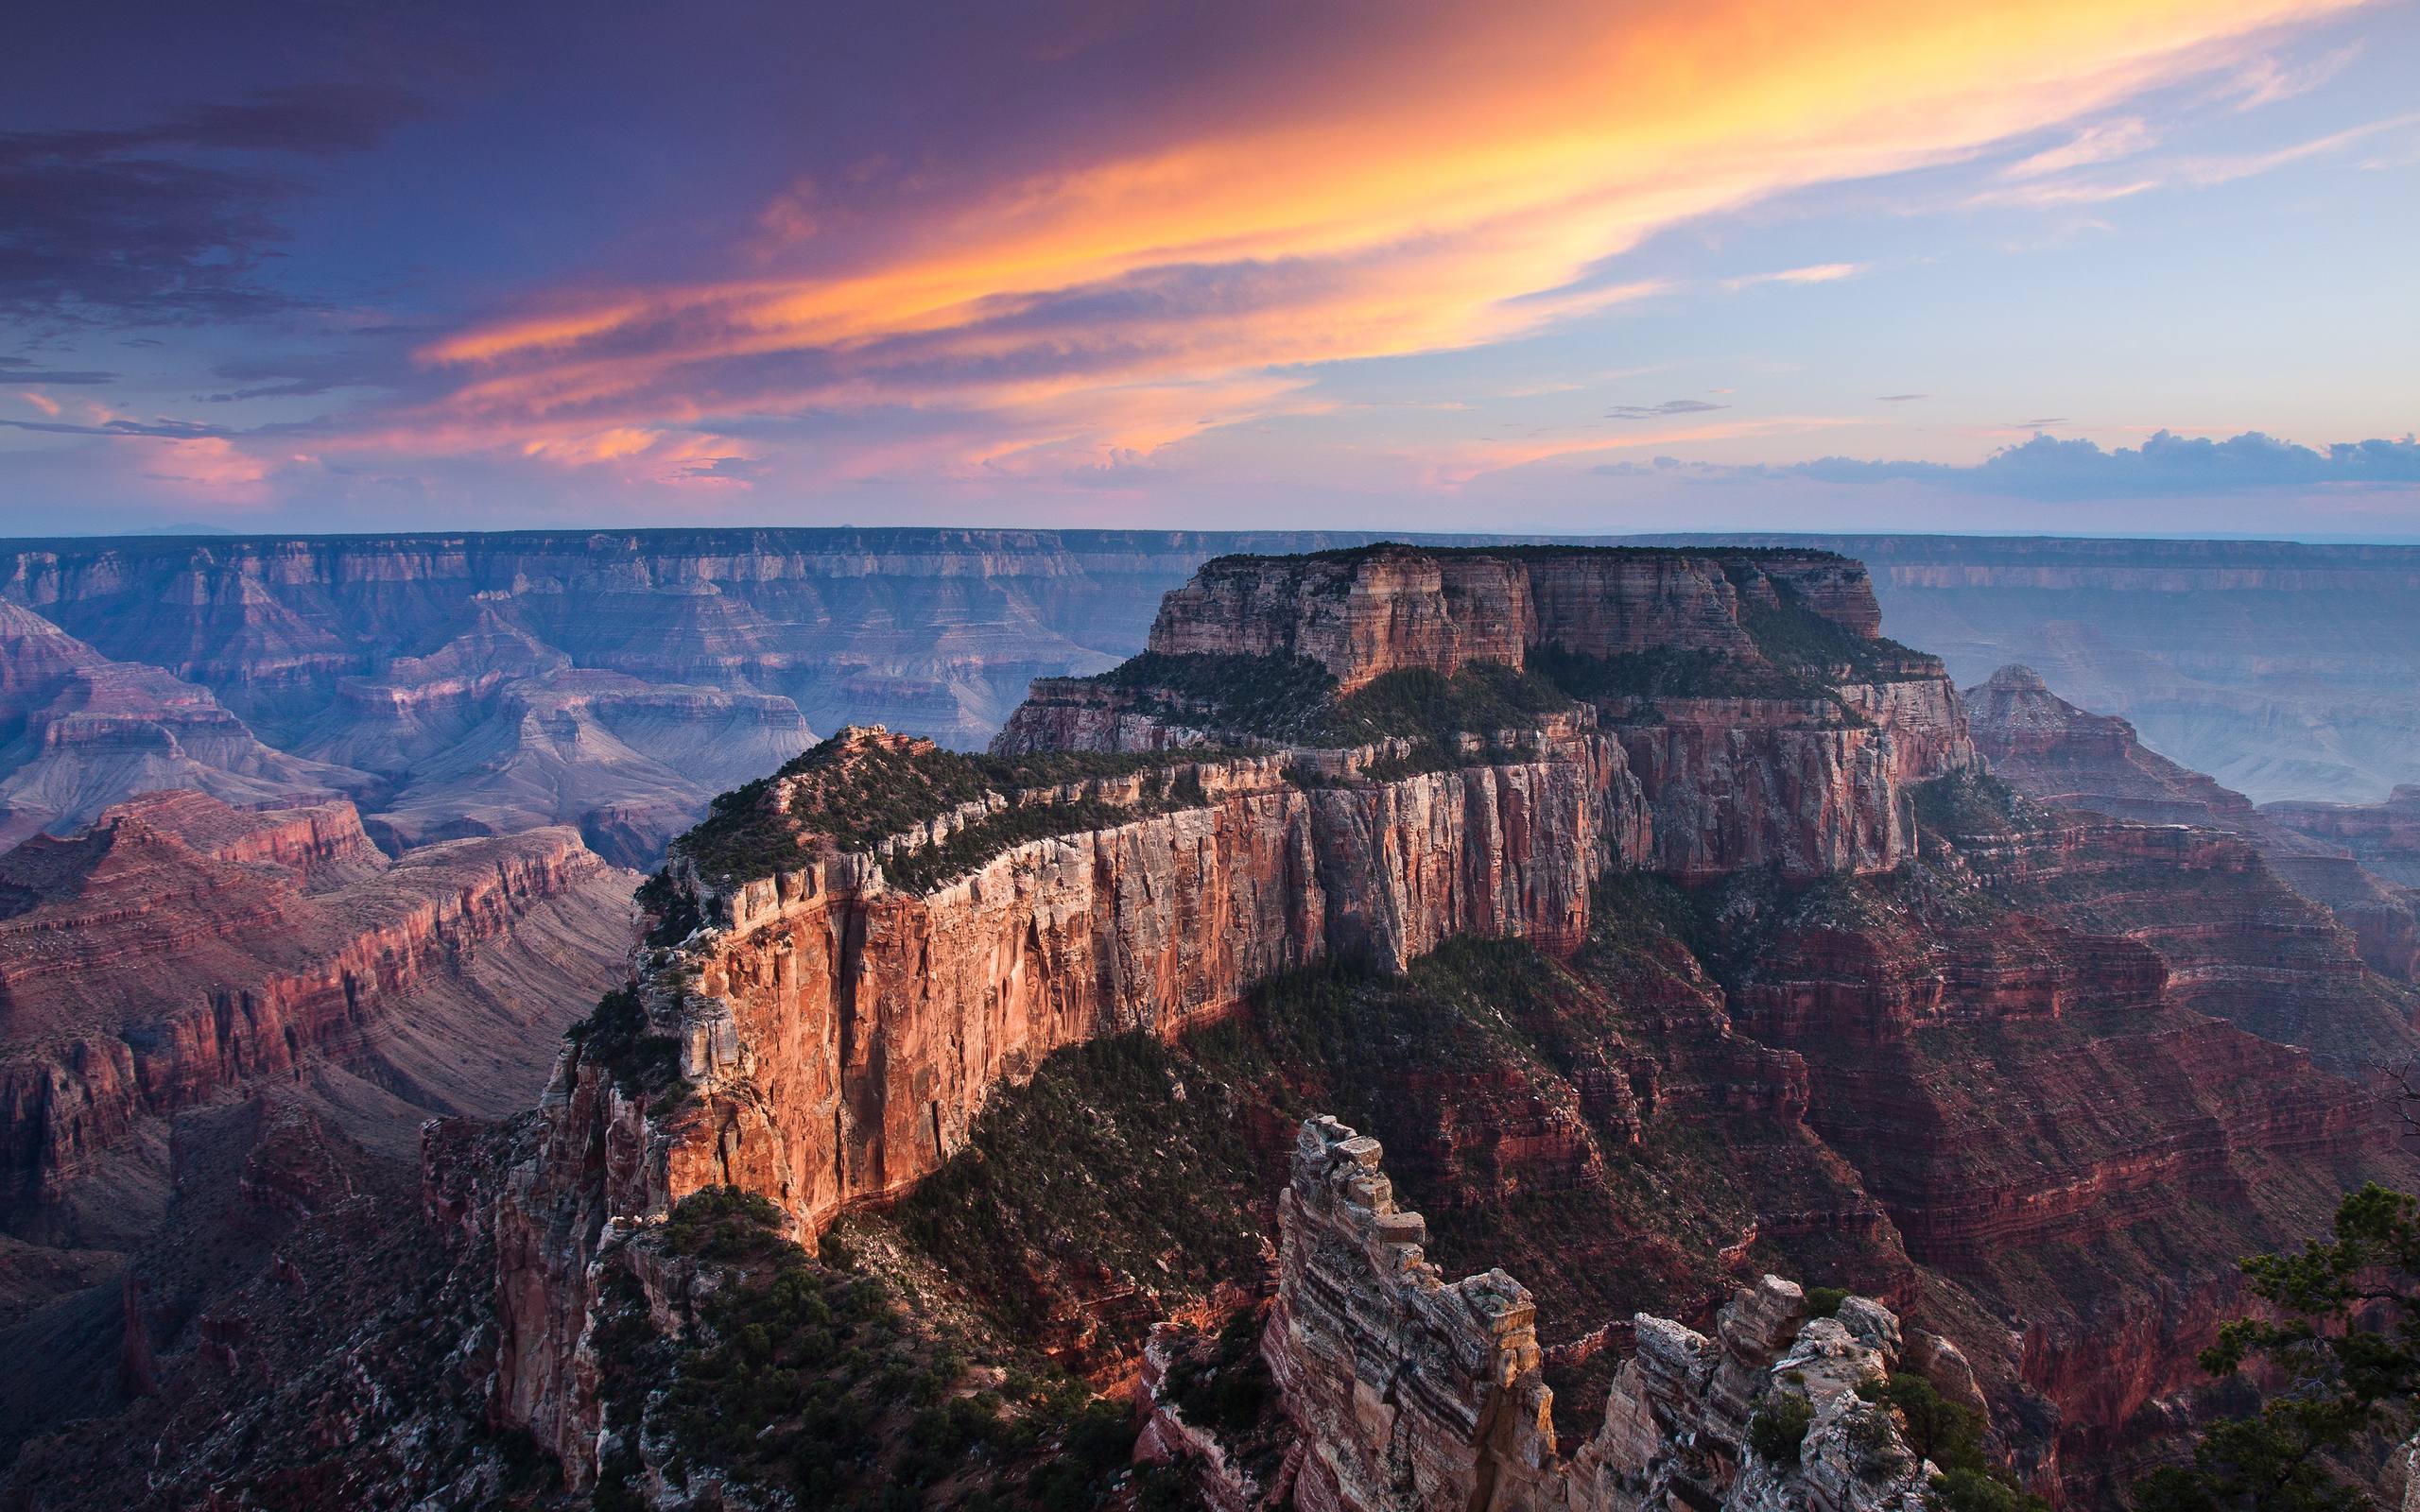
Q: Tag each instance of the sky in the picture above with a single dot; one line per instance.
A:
(2082, 267)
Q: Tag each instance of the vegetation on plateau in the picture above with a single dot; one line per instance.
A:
(854, 795)
(815, 1378)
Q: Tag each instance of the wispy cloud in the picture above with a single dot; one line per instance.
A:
(1669, 407)
(1813, 273)
(2267, 79)
(1440, 185)
(2177, 172)
(2094, 143)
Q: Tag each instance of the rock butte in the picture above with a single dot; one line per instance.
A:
(837, 1035)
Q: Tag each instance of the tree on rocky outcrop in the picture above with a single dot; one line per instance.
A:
(2341, 1331)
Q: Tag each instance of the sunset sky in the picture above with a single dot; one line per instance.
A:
(2110, 266)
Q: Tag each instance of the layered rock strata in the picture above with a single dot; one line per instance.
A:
(2062, 756)
(1808, 784)
(79, 731)
(180, 948)
(1413, 1392)
(835, 1034)
(2384, 837)
(2281, 668)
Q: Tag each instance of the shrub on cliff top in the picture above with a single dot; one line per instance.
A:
(1779, 1428)
(724, 1224)
(856, 793)
(618, 1036)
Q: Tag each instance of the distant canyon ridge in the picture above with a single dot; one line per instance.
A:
(460, 685)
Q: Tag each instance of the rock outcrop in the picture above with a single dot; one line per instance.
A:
(1785, 741)
(1412, 1392)
(2384, 837)
(2066, 758)
(2062, 756)
(1363, 613)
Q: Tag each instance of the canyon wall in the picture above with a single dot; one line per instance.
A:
(836, 1036)
(2339, 858)
(2281, 669)
(1367, 611)
(79, 731)
(181, 949)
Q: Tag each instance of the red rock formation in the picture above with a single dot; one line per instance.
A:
(837, 1036)
(1362, 613)
(180, 946)
(1413, 1392)
(2057, 754)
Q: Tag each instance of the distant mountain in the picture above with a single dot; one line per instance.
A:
(2281, 669)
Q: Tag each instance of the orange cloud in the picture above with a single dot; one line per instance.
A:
(208, 467)
(695, 459)
(1461, 180)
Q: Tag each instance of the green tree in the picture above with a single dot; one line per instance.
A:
(2343, 1335)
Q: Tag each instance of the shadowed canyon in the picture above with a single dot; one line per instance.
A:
(1129, 1020)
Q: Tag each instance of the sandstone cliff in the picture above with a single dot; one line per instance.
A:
(826, 1036)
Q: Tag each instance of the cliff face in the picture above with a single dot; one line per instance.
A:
(837, 1035)
(1805, 773)
(1410, 1391)
(1364, 613)
(180, 948)
(1367, 612)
